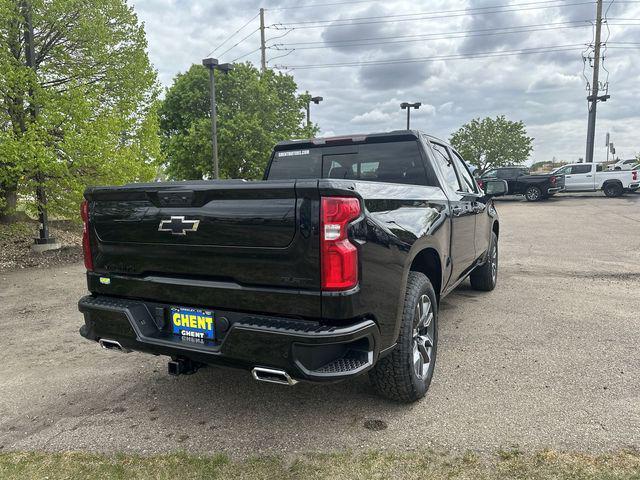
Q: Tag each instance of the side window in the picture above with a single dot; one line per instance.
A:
(581, 169)
(490, 174)
(505, 173)
(564, 171)
(446, 166)
(468, 183)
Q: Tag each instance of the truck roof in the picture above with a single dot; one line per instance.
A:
(392, 136)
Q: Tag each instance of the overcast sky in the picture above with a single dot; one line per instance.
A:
(546, 90)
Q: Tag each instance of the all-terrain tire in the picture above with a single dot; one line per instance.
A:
(613, 189)
(484, 278)
(533, 194)
(395, 376)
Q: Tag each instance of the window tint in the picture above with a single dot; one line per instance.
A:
(468, 183)
(446, 166)
(294, 164)
(629, 162)
(394, 162)
(563, 171)
(490, 174)
(581, 169)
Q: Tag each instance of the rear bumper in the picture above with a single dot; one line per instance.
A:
(305, 350)
(555, 190)
(634, 186)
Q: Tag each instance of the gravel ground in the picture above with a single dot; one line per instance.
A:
(16, 240)
(549, 359)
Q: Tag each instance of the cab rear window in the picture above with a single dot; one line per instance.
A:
(393, 162)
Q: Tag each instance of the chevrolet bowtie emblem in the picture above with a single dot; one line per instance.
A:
(178, 225)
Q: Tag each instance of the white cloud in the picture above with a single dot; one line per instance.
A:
(546, 91)
(372, 116)
(554, 81)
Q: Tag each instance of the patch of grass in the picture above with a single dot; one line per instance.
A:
(542, 465)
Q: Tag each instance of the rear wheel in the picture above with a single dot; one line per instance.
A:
(613, 189)
(405, 374)
(484, 278)
(533, 194)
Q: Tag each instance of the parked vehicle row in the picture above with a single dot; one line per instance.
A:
(575, 177)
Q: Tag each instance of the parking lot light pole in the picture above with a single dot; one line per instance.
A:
(408, 106)
(212, 64)
(315, 100)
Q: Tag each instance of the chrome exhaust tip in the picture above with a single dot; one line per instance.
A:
(112, 345)
(271, 375)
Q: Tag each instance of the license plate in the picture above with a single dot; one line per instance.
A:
(193, 323)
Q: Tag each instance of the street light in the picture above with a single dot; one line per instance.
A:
(315, 100)
(212, 64)
(408, 107)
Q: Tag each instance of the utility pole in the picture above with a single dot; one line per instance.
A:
(212, 64)
(44, 241)
(263, 48)
(593, 98)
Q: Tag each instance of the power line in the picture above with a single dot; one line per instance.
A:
(427, 15)
(312, 5)
(245, 55)
(238, 43)
(503, 53)
(426, 37)
(233, 34)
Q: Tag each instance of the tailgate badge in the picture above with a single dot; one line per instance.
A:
(178, 225)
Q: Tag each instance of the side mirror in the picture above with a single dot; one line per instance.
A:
(495, 188)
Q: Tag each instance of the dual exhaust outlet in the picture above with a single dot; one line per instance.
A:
(112, 345)
(272, 375)
(180, 366)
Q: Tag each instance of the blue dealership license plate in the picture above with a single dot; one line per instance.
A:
(193, 323)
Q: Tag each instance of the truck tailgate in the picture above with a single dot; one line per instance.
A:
(209, 239)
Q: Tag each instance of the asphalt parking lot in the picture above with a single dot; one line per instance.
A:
(548, 359)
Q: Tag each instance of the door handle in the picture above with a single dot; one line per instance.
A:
(589, 176)
(479, 207)
(457, 211)
(567, 176)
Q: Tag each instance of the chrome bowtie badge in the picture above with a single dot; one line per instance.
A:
(178, 225)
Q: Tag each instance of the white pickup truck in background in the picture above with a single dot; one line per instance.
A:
(589, 177)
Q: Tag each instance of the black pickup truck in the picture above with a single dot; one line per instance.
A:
(520, 182)
(332, 266)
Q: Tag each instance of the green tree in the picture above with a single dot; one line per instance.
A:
(254, 112)
(94, 92)
(490, 142)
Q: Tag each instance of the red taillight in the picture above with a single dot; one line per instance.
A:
(339, 257)
(480, 184)
(634, 174)
(86, 244)
(553, 179)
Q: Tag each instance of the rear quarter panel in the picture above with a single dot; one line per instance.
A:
(398, 222)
